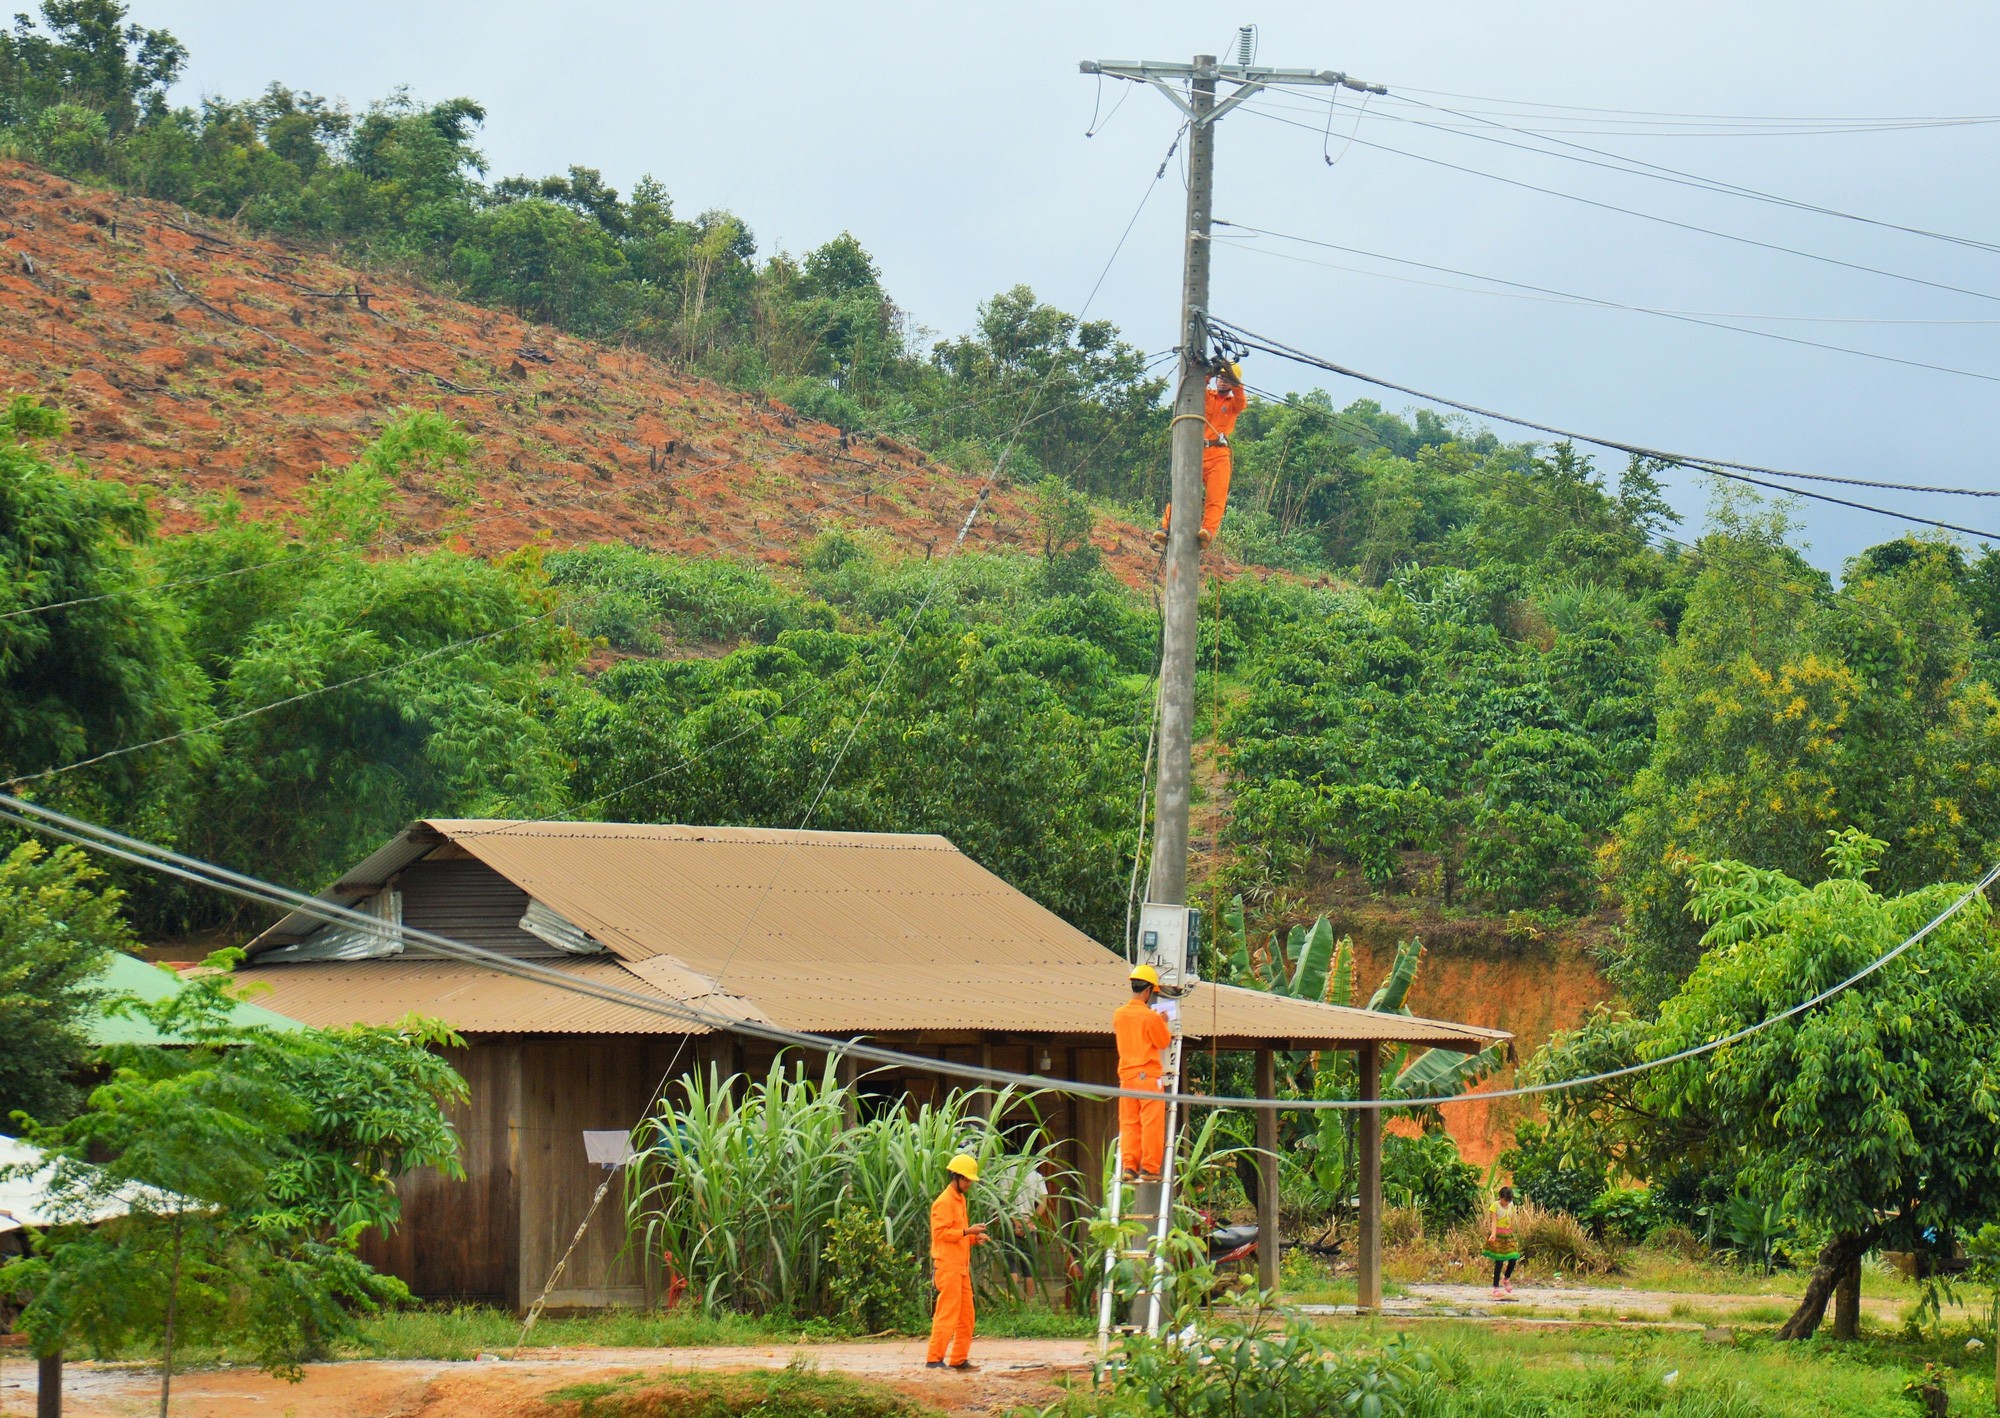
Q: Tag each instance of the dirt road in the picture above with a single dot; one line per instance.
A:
(1013, 1373)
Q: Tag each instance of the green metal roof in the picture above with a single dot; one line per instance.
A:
(129, 975)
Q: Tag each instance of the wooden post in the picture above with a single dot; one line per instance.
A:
(1368, 1244)
(1267, 1172)
(48, 1385)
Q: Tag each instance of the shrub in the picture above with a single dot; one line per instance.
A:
(1676, 1240)
(1425, 1172)
(1237, 1370)
(869, 1276)
(1556, 1240)
(1548, 1174)
(1628, 1213)
(1402, 1225)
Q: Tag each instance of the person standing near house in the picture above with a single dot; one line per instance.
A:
(1500, 1247)
(1142, 1033)
(953, 1235)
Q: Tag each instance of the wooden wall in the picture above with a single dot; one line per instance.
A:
(456, 1240)
(568, 1086)
(497, 1235)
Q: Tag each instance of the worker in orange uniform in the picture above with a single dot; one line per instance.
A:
(1142, 1034)
(952, 1238)
(1221, 403)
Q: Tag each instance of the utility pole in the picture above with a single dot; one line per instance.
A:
(1164, 920)
(1166, 880)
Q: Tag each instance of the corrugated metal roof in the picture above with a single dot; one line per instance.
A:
(841, 933)
(470, 998)
(126, 975)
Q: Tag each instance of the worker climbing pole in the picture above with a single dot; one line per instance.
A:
(1222, 402)
(1202, 420)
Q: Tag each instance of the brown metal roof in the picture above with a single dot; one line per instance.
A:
(837, 933)
(470, 998)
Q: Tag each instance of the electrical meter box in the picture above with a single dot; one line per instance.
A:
(1170, 942)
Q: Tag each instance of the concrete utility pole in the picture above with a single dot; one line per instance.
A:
(1164, 919)
(1166, 881)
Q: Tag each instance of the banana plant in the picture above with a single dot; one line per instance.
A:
(1313, 965)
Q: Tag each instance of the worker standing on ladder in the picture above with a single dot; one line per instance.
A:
(1142, 1034)
(953, 1235)
(1221, 403)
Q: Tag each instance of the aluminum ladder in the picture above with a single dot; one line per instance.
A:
(1161, 1217)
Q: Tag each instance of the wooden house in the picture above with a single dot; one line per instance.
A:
(901, 940)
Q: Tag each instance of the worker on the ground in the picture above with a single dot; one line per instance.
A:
(952, 1238)
(1220, 405)
(1142, 1033)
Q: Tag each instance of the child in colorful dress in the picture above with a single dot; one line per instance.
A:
(1500, 1247)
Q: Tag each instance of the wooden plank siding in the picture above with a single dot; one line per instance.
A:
(456, 1237)
(569, 1086)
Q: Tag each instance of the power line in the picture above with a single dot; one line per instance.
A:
(163, 860)
(1526, 293)
(1684, 317)
(1266, 113)
(164, 739)
(1704, 465)
(1672, 115)
(1618, 162)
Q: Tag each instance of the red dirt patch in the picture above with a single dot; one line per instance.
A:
(195, 359)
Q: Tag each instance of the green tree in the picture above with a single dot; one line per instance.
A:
(1786, 710)
(90, 660)
(253, 1162)
(57, 925)
(87, 56)
(1903, 1067)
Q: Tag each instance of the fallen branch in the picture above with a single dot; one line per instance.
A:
(228, 315)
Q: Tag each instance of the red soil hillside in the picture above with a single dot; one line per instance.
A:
(197, 359)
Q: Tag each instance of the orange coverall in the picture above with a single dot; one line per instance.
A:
(1219, 413)
(1142, 1123)
(951, 1272)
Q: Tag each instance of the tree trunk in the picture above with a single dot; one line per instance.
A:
(1837, 1258)
(167, 1339)
(1847, 1302)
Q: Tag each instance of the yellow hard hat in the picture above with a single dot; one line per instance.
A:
(1235, 370)
(963, 1166)
(1148, 974)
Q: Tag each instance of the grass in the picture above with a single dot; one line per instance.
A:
(1634, 1268)
(1502, 1371)
(467, 1331)
(796, 1392)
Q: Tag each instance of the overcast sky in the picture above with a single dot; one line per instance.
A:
(950, 139)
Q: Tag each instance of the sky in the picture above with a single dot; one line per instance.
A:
(952, 140)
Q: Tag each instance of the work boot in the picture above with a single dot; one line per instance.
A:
(934, 1363)
(1160, 539)
(1203, 537)
(964, 1365)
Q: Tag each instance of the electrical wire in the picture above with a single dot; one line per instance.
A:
(1266, 113)
(1599, 302)
(1610, 161)
(1619, 162)
(224, 723)
(1718, 467)
(1675, 118)
(1526, 292)
(154, 858)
